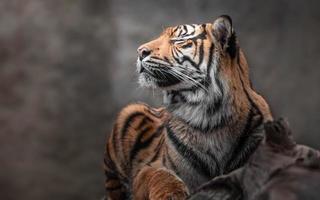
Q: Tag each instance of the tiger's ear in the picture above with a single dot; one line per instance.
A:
(222, 30)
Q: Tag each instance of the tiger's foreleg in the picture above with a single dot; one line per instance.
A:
(158, 184)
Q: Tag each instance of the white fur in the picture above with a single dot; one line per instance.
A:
(197, 115)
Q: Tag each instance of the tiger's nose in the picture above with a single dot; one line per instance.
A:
(143, 52)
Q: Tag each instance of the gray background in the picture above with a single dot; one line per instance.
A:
(68, 66)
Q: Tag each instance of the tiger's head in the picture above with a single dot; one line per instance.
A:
(187, 56)
(201, 70)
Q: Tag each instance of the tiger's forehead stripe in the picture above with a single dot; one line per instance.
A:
(187, 30)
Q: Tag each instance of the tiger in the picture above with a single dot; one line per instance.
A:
(210, 122)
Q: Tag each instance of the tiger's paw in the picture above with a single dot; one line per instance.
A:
(165, 185)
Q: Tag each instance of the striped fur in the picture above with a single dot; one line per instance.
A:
(209, 126)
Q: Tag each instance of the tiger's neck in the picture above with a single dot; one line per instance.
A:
(221, 104)
(202, 110)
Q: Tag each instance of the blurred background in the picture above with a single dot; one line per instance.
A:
(68, 66)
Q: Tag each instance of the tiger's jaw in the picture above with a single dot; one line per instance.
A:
(155, 75)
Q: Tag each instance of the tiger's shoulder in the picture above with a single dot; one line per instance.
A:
(139, 110)
(136, 137)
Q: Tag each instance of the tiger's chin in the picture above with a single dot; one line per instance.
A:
(150, 78)
(148, 81)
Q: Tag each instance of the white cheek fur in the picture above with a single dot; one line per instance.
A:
(196, 114)
(138, 65)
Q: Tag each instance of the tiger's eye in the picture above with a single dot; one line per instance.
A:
(187, 45)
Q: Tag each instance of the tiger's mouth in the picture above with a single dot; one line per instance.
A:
(156, 75)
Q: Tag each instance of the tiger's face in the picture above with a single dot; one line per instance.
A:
(184, 56)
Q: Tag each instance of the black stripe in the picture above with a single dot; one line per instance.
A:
(209, 65)
(158, 150)
(214, 107)
(139, 145)
(107, 160)
(171, 163)
(175, 29)
(187, 58)
(111, 165)
(215, 160)
(217, 104)
(201, 53)
(175, 54)
(143, 122)
(177, 41)
(180, 31)
(232, 48)
(201, 36)
(154, 61)
(249, 144)
(110, 175)
(128, 122)
(185, 30)
(164, 160)
(179, 51)
(167, 60)
(114, 140)
(192, 33)
(193, 88)
(242, 140)
(136, 146)
(188, 154)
